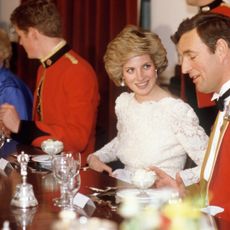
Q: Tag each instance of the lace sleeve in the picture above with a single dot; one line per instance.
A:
(108, 152)
(192, 137)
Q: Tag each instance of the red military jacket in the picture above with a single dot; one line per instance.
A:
(218, 187)
(219, 184)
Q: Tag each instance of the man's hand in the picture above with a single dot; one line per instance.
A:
(4, 130)
(97, 165)
(164, 180)
(9, 118)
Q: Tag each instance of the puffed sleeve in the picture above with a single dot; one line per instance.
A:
(192, 137)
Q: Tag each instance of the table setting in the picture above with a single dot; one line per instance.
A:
(86, 197)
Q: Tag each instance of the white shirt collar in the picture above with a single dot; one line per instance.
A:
(223, 89)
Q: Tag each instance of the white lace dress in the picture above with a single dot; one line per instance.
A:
(156, 133)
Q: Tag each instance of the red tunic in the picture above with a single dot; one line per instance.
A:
(217, 188)
(219, 185)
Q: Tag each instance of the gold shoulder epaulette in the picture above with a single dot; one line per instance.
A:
(71, 58)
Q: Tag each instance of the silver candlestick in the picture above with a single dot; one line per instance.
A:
(24, 195)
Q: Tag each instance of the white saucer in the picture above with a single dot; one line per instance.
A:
(42, 159)
(154, 196)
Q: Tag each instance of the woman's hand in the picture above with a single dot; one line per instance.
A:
(164, 180)
(97, 165)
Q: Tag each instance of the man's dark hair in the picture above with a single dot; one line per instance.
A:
(209, 26)
(40, 14)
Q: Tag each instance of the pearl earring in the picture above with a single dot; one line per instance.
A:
(122, 83)
(156, 73)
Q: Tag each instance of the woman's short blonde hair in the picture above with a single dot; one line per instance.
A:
(131, 42)
(5, 48)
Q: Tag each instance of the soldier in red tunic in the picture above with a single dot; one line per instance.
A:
(201, 102)
(203, 44)
(66, 96)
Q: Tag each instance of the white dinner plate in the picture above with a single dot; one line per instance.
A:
(154, 196)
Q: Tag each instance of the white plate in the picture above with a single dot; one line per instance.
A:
(45, 159)
(154, 196)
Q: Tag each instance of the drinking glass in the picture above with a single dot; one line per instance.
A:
(76, 157)
(63, 167)
(73, 188)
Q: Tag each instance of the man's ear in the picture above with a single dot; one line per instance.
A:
(33, 33)
(222, 49)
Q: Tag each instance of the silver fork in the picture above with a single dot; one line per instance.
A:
(99, 190)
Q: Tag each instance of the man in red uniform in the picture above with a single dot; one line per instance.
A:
(66, 95)
(201, 102)
(203, 44)
(216, 6)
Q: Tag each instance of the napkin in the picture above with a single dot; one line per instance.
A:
(123, 175)
(212, 210)
(84, 203)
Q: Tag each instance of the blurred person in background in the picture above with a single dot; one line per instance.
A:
(216, 6)
(12, 90)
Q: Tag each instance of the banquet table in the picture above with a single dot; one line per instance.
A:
(46, 188)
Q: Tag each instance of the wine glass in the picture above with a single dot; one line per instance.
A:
(73, 188)
(76, 156)
(64, 168)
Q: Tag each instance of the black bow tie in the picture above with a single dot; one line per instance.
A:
(220, 101)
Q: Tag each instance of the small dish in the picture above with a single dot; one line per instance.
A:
(42, 162)
(158, 197)
(42, 159)
(52, 147)
(143, 179)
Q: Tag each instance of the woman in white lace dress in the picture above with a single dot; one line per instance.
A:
(153, 128)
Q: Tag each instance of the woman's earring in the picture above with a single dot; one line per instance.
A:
(156, 73)
(122, 83)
